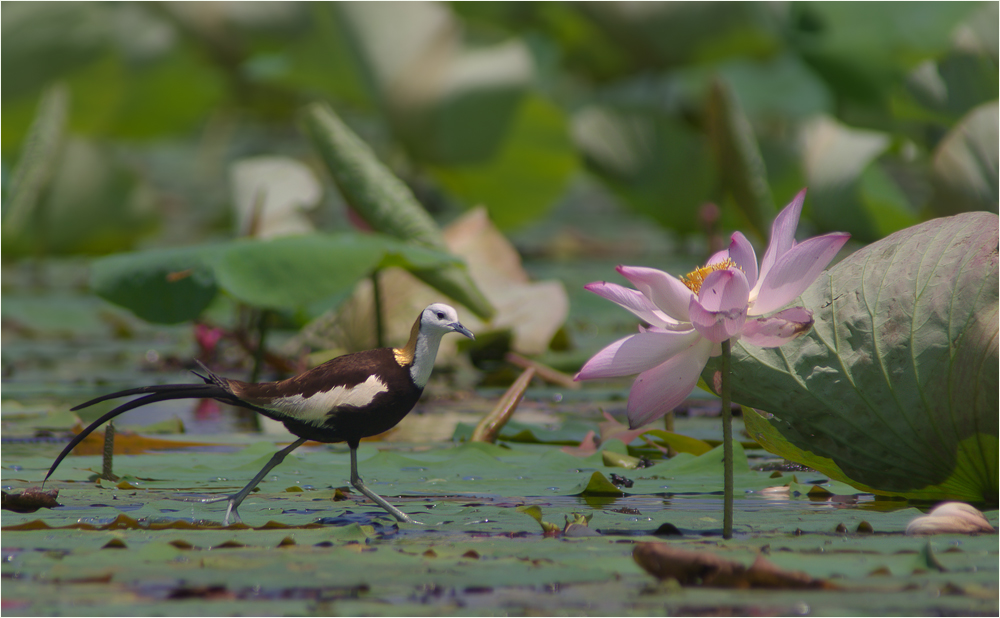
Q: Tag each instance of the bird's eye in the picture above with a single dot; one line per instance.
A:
(440, 315)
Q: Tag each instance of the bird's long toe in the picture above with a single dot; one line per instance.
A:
(409, 520)
(232, 514)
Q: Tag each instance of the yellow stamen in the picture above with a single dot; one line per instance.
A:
(695, 278)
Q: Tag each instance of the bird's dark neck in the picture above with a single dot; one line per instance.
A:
(418, 354)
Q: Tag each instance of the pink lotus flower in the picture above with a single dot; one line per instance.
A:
(689, 317)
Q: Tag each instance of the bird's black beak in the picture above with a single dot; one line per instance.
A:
(458, 328)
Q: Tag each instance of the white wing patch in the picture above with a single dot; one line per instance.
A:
(314, 409)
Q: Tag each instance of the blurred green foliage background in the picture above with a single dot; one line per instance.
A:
(124, 123)
(189, 160)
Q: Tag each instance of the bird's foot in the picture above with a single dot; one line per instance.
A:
(400, 516)
(406, 519)
(231, 512)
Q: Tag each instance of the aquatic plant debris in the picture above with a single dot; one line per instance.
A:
(30, 500)
(699, 568)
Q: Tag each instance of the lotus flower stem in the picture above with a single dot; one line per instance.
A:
(727, 444)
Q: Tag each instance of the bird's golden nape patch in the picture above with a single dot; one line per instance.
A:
(404, 355)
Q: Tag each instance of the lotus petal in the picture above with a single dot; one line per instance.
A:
(720, 310)
(741, 252)
(782, 235)
(795, 271)
(632, 300)
(950, 518)
(636, 353)
(662, 388)
(666, 291)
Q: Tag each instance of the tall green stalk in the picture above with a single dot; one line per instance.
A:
(727, 444)
(377, 303)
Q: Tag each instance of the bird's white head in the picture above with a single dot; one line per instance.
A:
(419, 353)
(440, 319)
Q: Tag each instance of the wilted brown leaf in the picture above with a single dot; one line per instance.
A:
(695, 568)
(130, 443)
(30, 500)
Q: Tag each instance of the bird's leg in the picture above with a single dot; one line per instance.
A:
(236, 499)
(358, 484)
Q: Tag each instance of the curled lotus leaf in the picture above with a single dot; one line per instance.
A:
(895, 388)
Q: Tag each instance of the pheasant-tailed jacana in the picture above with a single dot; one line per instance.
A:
(343, 400)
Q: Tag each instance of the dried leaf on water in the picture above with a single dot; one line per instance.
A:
(30, 500)
(696, 568)
(130, 443)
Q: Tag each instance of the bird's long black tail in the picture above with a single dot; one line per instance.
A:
(213, 389)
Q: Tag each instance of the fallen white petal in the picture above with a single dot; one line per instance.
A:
(950, 518)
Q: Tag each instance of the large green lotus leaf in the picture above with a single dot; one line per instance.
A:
(294, 271)
(164, 286)
(896, 384)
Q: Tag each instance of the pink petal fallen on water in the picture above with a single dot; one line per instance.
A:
(950, 518)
